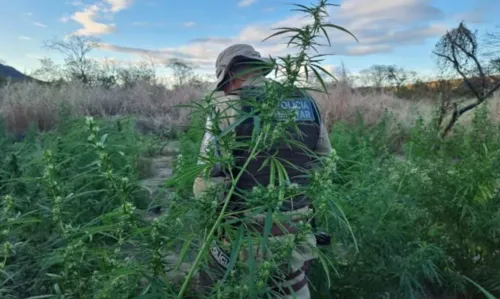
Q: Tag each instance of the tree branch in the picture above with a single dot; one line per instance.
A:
(457, 114)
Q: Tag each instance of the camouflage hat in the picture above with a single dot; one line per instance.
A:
(237, 52)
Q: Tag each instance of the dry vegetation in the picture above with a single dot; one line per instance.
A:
(157, 107)
(153, 105)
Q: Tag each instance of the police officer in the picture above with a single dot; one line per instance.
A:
(233, 77)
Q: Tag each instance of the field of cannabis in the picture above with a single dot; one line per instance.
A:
(73, 214)
(413, 213)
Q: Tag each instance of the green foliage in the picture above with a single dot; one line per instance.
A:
(70, 218)
(415, 227)
(185, 163)
(425, 223)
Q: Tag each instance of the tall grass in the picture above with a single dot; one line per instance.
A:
(155, 106)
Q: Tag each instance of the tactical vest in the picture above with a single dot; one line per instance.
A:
(308, 123)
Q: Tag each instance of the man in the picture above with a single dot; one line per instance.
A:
(235, 74)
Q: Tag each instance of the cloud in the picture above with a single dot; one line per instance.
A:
(380, 25)
(245, 3)
(90, 26)
(117, 5)
(88, 17)
(64, 19)
(22, 37)
(217, 40)
(29, 14)
(475, 16)
(38, 24)
(140, 23)
(163, 53)
(367, 49)
(189, 24)
(76, 3)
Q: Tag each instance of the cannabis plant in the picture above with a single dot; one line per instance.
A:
(252, 275)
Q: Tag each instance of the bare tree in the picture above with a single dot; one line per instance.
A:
(399, 76)
(76, 50)
(134, 73)
(151, 63)
(458, 51)
(377, 75)
(345, 77)
(495, 66)
(48, 71)
(182, 70)
(492, 42)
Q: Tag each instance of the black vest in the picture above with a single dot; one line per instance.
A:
(308, 124)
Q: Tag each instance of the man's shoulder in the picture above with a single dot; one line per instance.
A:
(222, 102)
(220, 97)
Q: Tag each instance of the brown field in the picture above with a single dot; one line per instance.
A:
(156, 106)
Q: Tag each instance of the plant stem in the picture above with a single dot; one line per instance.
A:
(210, 236)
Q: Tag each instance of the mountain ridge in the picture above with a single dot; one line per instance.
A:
(12, 73)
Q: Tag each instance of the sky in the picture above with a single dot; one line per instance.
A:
(400, 32)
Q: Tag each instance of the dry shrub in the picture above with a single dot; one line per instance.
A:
(344, 104)
(156, 106)
(493, 105)
(25, 103)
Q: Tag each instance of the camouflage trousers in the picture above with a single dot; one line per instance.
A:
(295, 281)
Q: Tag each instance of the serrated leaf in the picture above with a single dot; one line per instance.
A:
(275, 34)
(304, 8)
(325, 71)
(265, 163)
(267, 229)
(341, 29)
(252, 269)
(231, 127)
(234, 252)
(483, 290)
(318, 76)
(184, 251)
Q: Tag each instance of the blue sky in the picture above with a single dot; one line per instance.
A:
(401, 32)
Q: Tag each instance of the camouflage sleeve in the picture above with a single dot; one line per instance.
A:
(323, 146)
(203, 181)
(215, 176)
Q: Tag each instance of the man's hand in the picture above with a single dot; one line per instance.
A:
(202, 184)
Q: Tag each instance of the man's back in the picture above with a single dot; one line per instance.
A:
(266, 149)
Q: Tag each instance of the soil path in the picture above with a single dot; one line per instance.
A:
(156, 171)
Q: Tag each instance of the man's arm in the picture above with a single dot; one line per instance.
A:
(323, 146)
(215, 176)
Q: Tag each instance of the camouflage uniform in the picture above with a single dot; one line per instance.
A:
(305, 251)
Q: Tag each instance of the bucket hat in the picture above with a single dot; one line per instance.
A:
(238, 53)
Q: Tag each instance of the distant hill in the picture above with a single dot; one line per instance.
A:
(10, 72)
